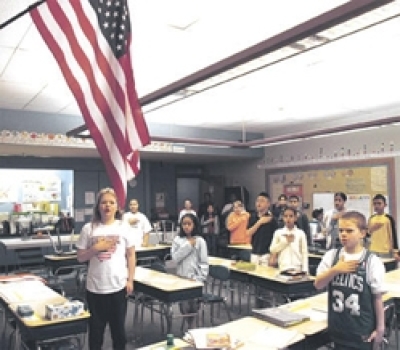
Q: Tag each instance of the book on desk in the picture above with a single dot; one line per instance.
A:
(280, 317)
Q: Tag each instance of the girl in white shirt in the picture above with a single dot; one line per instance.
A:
(107, 245)
(289, 245)
(186, 210)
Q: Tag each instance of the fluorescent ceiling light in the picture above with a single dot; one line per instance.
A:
(316, 40)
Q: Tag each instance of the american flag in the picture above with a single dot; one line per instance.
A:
(90, 40)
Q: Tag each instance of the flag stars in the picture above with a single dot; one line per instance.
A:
(119, 47)
(114, 25)
(109, 3)
(121, 36)
(106, 25)
(107, 14)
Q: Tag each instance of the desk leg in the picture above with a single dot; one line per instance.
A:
(18, 340)
(168, 315)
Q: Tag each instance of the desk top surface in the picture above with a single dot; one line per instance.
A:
(240, 246)
(53, 257)
(161, 345)
(152, 248)
(16, 243)
(266, 272)
(164, 281)
(249, 330)
(35, 294)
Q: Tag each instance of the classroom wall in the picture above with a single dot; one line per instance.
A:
(368, 144)
(241, 173)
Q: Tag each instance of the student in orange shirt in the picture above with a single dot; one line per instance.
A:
(236, 223)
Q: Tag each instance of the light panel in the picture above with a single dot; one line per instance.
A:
(300, 47)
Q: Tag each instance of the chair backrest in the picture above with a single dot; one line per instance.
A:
(167, 225)
(219, 272)
(158, 266)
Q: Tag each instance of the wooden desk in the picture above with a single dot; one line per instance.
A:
(37, 328)
(159, 251)
(18, 243)
(161, 345)
(166, 288)
(240, 246)
(268, 278)
(246, 328)
(316, 307)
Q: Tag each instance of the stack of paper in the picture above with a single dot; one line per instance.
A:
(280, 317)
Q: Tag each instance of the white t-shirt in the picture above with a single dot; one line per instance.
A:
(140, 228)
(293, 254)
(375, 271)
(108, 271)
(184, 212)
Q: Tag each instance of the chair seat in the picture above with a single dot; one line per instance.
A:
(210, 298)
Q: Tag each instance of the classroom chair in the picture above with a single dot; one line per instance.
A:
(3, 252)
(390, 325)
(220, 277)
(31, 260)
(64, 280)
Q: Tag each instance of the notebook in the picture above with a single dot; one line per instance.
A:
(280, 317)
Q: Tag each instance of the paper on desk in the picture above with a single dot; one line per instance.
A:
(273, 338)
(315, 315)
(15, 292)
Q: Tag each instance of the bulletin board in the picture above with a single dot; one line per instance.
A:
(360, 180)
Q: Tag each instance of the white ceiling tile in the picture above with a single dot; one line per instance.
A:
(5, 56)
(182, 36)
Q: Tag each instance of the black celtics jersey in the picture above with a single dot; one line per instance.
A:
(351, 315)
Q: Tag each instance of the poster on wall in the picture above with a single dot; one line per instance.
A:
(293, 190)
(8, 192)
(36, 190)
(160, 200)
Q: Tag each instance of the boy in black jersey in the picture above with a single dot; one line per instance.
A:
(354, 278)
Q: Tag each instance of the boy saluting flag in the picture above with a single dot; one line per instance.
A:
(90, 40)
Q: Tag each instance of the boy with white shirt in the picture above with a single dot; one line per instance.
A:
(139, 223)
(289, 245)
(354, 278)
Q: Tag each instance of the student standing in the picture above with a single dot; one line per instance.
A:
(139, 223)
(189, 251)
(301, 220)
(354, 277)
(260, 229)
(108, 246)
(186, 210)
(278, 209)
(210, 228)
(382, 229)
(236, 223)
(332, 218)
(289, 245)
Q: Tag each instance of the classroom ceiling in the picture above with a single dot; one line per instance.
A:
(345, 80)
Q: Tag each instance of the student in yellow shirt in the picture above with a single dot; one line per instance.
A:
(382, 229)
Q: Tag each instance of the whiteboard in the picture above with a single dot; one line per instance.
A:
(323, 200)
(358, 202)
